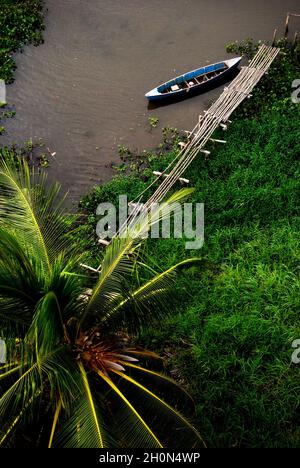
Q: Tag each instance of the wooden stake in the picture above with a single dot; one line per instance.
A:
(184, 181)
(295, 39)
(87, 267)
(274, 37)
(218, 141)
(181, 179)
(286, 31)
(103, 242)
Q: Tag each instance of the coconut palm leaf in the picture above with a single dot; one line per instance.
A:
(17, 277)
(146, 436)
(122, 254)
(70, 350)
(18, 418)
(84, 428)
(54, 423)
(149, 303)
(34, 213)
(47, 329)
(93, 430)
(7, 373)
(169, 411)
(158, 375)
(12, 255)
(19, 394)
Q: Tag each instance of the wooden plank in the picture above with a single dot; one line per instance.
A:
(181, 179)
(103, 242)
(87, 267)
(218, 141)
(274, 36)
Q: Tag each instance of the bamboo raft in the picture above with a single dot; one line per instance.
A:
(217, 115)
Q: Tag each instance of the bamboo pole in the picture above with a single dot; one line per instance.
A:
(274, 37)
(295, 39)
(286, 30)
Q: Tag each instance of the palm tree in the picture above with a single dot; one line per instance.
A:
(73, 377)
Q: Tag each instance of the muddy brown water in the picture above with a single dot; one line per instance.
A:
(83, 90)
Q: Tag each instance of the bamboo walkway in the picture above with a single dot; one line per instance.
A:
(217, 115)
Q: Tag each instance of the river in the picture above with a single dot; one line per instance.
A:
(82, 91)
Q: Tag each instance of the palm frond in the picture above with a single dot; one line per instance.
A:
(94, 418)
(6, 433)
(16, 397)
(158, 375)
(183, 425)
(122, 254)
(60, 371)
(47, 328)
(146, 438)
(83, 426)
(151, 302)
(4, 375)
(19, 284)
(33, 212)
(56, 368)
(54, 424)
(118, 262)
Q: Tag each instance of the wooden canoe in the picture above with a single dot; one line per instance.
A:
(199, 80)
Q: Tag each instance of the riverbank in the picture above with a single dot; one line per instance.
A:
(237, 316)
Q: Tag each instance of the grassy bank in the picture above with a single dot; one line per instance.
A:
(237, 315)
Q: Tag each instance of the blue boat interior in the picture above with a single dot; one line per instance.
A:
(193, 78)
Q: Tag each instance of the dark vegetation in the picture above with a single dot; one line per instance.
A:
(230, 337)
(21, 22)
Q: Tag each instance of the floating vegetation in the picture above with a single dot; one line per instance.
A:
(21, 22)
(153, 121)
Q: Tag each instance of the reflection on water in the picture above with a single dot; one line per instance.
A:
(83, 90)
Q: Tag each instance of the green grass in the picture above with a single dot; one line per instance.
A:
(243, 311)
(238, 313)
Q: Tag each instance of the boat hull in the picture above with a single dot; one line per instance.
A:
(157, 95)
